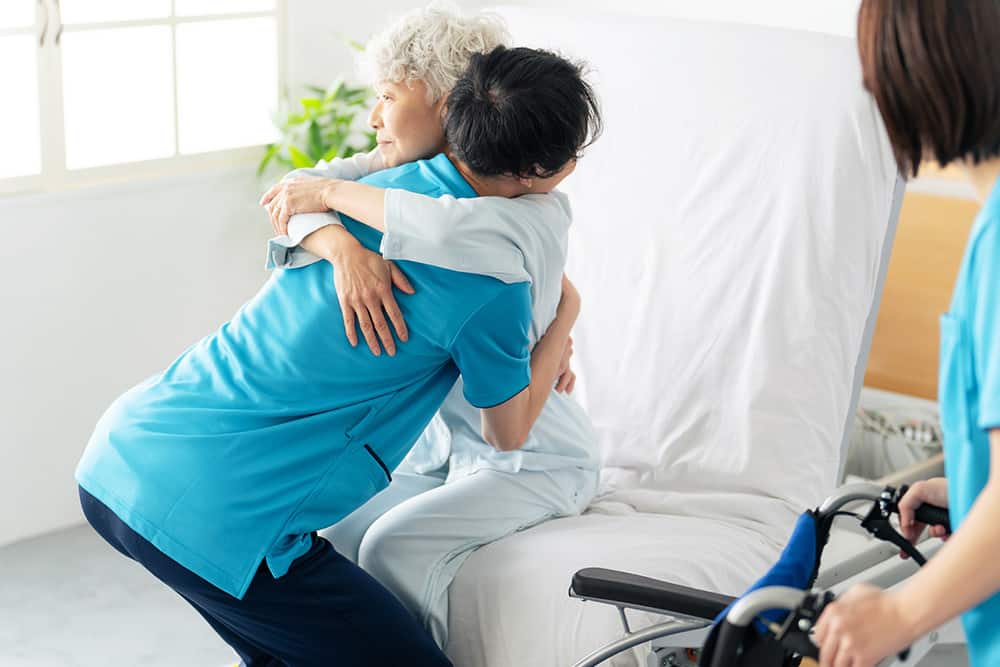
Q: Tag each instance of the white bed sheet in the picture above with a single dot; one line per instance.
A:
(509, 606)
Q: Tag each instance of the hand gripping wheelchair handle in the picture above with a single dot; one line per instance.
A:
(933, 515)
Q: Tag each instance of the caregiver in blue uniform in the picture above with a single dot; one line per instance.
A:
(216, 473)
(934, 69)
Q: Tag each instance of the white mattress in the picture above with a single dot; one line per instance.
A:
(509, 605)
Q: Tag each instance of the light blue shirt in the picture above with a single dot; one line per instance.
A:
(969, 396)
(274, 426)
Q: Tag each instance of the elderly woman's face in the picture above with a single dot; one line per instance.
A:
(406, 125)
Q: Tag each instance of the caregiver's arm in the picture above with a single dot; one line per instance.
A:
(966, 570)
(868, 624)
(506, 426)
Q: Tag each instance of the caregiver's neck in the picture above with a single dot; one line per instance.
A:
(490, 186)
(983, 176)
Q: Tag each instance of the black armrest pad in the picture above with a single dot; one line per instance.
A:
(634, 590)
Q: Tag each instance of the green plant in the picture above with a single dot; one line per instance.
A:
(325, 127)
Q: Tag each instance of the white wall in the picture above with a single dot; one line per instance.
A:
(98, 289)
(318, 54)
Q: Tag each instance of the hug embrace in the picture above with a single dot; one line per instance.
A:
(218, 473)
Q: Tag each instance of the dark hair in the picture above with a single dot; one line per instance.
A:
(933, 67)
(521, 112)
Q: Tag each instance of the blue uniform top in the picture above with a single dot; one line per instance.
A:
(969, 396)
(274, 426)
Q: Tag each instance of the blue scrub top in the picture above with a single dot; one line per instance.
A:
(274, 426)
(969, 396)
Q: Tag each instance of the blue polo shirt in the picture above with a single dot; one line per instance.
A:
(274, 426)
(969, 397)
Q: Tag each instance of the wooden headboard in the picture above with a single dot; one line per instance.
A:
(930, 240)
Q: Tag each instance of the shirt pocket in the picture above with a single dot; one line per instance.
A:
(955, 380)
(353, 481)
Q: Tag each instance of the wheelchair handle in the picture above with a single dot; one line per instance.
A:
(933, 515)
(890, 496)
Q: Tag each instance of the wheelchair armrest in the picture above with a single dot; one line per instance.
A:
(633, 590)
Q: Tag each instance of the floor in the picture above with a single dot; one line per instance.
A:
(69, 600)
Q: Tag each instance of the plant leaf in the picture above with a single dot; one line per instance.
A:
(272, 149)
(299, 159)
(312, 105)
(315, 142)
(334, 90)
(330, 153)
(353, 43)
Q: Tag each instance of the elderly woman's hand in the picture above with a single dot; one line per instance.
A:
(364, 282)
(299, 195)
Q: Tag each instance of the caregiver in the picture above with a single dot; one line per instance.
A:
(934, 69)
(454, 493)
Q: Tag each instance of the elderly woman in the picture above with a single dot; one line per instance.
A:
(454, 493)
(934, 69)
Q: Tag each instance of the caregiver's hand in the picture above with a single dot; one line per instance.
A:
(569, 302)
(860, 628)
(299, 195)
(567, 378)
(933, 491)
(364, 282)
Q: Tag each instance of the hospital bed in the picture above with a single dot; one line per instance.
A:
(731, 236)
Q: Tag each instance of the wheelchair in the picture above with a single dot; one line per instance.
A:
(770, 624)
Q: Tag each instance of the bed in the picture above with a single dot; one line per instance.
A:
(731, 235)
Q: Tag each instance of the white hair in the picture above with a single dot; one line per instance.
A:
(434, 45)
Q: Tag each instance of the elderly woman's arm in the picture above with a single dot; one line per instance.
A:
(285, 250)
(363, 279)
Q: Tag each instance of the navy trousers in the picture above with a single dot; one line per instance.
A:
(326, 611)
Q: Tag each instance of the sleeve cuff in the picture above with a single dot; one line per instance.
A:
(283, 254)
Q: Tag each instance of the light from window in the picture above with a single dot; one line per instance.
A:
(17, 14)
(118, 95)
(19, 129)
(226, 73)
(96, 11)
(206, 7)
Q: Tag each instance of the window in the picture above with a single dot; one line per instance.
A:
(101, 89)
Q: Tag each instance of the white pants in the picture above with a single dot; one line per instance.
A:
(414, 536)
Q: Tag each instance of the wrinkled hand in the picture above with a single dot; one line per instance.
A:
(299, 195)
(933, 491)
(364, 282)
(860, 628)
(567, 378)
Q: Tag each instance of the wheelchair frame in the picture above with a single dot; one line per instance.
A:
(676, 642)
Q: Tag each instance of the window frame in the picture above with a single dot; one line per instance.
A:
(54, 176)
